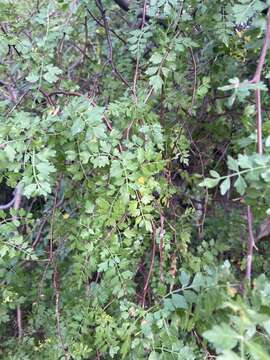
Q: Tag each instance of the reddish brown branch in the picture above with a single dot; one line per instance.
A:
(257, 79)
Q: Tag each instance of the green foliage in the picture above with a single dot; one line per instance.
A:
(110, 124)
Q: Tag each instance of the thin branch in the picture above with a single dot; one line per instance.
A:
(161, 245)
(15, 201)
(138, 53)
(9, 112)
(251, 243)
(152, 261)
(257, 79)
(52, 217)
(19, 322)
(109, 41)
(195, 80)
(56, 285)
(102, 25)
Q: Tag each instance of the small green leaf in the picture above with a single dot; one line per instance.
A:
(229, 355)
(156, 58)
(179, 302)
(214, 174)
(209, 183)
(267, 141)
(184, 278)
(77, 127)
(223, 337)
(257, 352)
(232, 164)
(32, 77)
(51, 74)
(156, 82)
(240, 185)
(225, 186)
(29, 190)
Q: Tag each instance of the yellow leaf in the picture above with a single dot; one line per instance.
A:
(141, 180)
(65, 216)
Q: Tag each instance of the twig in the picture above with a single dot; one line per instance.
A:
(146, 285)
(52, 217)
(195, 81)
(8, 113)
(38, 236)
(161, 245)
(19, 322)
(100, 24)
(109, 41)
(138, 53)
(256, 79)
(56, 285)
(15, 201)
(251, 243)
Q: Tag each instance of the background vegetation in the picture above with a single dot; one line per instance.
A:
(134, 179)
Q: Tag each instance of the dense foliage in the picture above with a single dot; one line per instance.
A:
(128, 143)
